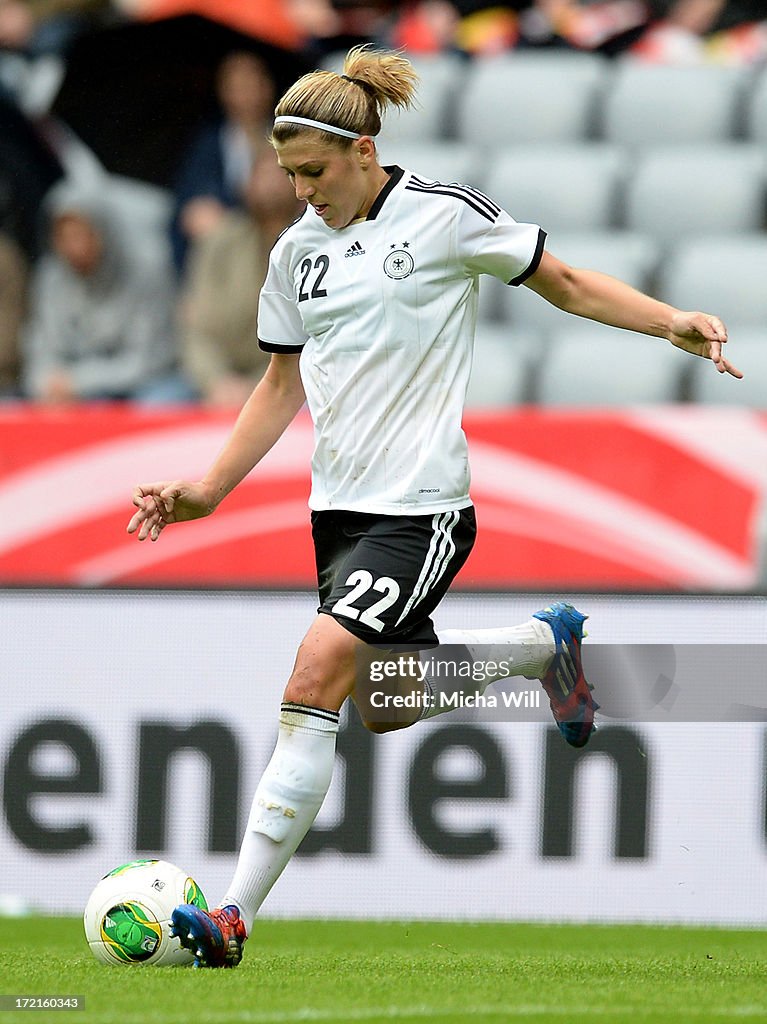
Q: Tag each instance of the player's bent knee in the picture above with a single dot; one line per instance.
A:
(324, 671)
(312, 691)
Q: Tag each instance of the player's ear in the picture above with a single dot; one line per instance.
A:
(366, 149)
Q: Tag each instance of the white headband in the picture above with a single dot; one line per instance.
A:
(289, 119)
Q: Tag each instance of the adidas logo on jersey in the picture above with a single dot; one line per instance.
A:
(354, 250)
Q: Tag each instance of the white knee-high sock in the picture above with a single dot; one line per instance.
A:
(523, 650)
(287, 800)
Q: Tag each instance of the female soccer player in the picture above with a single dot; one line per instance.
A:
(368, 309)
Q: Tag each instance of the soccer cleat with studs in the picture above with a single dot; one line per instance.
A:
(216, 937)
(569, 694)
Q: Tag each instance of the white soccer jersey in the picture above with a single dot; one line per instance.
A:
(383, 313)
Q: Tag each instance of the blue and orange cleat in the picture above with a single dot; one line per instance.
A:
(216, 937)
(569, 694)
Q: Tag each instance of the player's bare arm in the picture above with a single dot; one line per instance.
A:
(597, 296)
(264, 418)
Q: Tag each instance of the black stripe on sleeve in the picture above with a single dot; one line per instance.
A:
(455, 194)
(288, 350)
(494, 207)
(466, 190)
(534, 262)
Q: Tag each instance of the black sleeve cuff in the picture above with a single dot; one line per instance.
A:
(534, 262)
(286, 350)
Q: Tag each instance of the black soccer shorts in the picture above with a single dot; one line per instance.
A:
(381, 577)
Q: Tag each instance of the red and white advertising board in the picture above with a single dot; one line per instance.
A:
(642, 499)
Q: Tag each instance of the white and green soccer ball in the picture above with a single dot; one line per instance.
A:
(127, 917)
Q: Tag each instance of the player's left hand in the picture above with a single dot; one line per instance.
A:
(702, 335)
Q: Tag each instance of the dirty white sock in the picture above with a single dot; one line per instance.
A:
(287, 800)
(523, 650)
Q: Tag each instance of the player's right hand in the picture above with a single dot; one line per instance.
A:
(167, 502)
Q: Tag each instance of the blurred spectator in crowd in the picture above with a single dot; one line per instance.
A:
(28, 169)
(315, 26)
(669, 30)
(335, 25)
(101, 317)
(226, 269)
(39, 27)
(429, 26)
(698, 31)
(485, 27)
(35, 37)
(217, 166)
(283, 23)
(13, 285)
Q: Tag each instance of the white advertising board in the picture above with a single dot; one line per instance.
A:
(137, 723)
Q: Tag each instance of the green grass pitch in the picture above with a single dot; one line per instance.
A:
(336, 972)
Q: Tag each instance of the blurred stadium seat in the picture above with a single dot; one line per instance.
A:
(607, 367)
(521, 98)
(333, 61)
(726, 275)
(443, 161)
(756, 110)
(648, 104)
(441, 80)
(492, 293)
(561, 187)
(680, 191)
(502, 366)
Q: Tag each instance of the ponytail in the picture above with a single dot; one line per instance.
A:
(355, 100)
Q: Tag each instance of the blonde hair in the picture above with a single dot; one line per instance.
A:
(372, 80)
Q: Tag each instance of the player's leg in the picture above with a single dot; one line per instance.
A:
(298, 775)
(398, 688)
(396, 573)
(289, 794)
(393, 575)
(546, 647)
